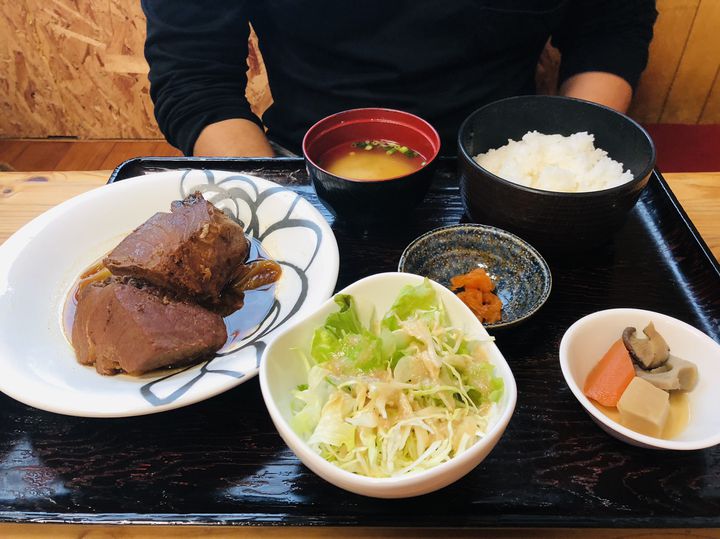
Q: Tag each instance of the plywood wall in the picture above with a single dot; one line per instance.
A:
(76, 68)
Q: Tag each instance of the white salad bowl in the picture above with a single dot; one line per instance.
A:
(282, 370)
(587, 340)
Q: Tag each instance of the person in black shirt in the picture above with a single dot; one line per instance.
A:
(439, 60)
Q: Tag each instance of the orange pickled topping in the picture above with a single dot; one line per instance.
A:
(476, 278)
(472, 298)
(475, 290)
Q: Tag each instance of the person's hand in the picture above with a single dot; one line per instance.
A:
(604, 88)
(232, 138)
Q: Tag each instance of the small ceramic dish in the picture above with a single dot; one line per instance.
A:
(522, 277)
(282, 370)
(585, 342)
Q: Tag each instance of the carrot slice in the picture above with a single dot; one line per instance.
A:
(611, 376)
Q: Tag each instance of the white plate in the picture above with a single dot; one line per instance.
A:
(40, 262)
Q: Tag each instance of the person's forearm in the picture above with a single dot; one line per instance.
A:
(604, 88)
(235, 137)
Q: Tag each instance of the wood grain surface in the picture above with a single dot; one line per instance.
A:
(64, 531)
(24, 195)
(75, 68)
(73, 155)
(672, 28)
(697, 73)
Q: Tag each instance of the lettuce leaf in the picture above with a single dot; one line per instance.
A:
(333, 430)
(344, 339)
(419, 301)
(346, 319)
(399, 396)
(309, 401)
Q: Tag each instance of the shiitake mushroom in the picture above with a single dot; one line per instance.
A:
(648, 353)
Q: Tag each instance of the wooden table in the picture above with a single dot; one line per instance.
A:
(24, 195)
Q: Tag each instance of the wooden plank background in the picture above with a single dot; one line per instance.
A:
(695, 79)
(75, 68)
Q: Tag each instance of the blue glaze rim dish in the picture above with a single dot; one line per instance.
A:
(501, 236)
(37, 360)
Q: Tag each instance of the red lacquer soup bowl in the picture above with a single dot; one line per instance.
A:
(371, 200)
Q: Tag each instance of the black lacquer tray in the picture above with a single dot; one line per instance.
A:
(222, 462)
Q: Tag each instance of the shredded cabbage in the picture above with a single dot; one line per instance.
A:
(402, 396)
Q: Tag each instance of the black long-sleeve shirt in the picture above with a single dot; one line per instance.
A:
(438, 59)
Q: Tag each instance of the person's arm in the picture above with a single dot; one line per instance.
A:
(604, 46)
(604, 88)
(197, 53)
(237, 136)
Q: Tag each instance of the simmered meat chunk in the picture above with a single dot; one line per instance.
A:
(127, 327)
(193, 250)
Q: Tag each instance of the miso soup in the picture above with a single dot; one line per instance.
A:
(371, 160)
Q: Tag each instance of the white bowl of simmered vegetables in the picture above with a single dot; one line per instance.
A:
(390, 389)
(645, 378)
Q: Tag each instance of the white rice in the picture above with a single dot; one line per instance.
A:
(555, 163)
